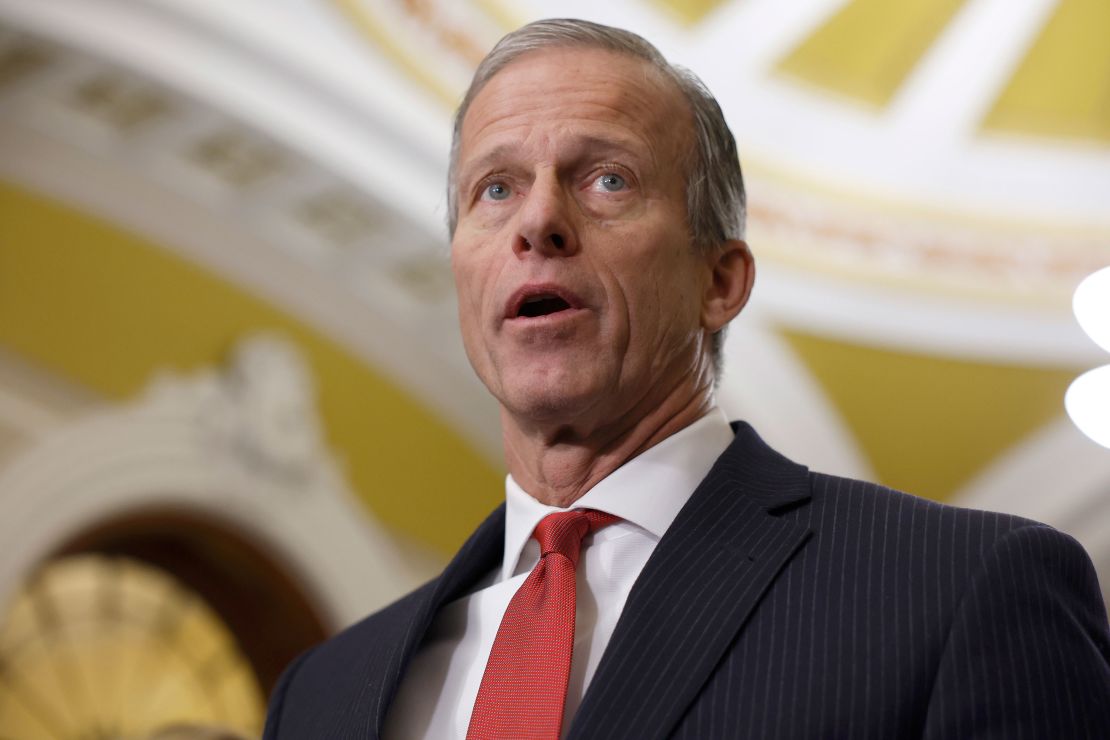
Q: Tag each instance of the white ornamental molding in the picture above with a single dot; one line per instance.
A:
(240, 446)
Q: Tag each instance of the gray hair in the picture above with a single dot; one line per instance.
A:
(715, 199)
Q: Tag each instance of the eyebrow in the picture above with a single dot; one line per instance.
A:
(499, 152)
(585, 144)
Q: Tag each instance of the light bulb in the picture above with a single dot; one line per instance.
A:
(1088, 404)
(1091, 304)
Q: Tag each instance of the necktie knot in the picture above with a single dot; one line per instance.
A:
(564, 531)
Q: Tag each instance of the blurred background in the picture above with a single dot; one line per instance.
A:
(235, 414)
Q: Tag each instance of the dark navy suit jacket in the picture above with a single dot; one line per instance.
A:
(784, 603)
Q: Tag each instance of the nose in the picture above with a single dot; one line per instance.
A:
(544, 224)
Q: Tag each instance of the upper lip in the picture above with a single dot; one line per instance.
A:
(538, 290)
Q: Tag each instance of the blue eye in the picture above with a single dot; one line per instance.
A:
(612, 182)
(497, 191)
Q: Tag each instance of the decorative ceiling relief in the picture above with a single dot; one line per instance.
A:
(263, 410)
(868, 48)
(1062, 88)
(918, 250)
(237, 448)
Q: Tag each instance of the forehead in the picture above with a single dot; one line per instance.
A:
(585, 91)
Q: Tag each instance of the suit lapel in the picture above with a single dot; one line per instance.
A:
(705, 577)
(480, 554)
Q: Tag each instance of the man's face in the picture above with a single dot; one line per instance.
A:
(580, 294)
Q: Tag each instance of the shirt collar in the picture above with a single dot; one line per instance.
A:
(647, 491)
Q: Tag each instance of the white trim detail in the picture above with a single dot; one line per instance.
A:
(942, 326)
(1008, 28)
(239, 446)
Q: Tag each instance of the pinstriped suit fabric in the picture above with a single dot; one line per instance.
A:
(958, 625)
(788, 604)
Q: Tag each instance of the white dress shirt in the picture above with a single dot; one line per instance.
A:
(436, 695)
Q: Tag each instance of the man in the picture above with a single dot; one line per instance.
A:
(655, 572)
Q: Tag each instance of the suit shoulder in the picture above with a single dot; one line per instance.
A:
(868, 533)
(899, 512)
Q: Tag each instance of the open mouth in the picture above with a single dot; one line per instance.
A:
(541, 305)
(537, 300)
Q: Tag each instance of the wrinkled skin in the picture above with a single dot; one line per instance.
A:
(571, 181)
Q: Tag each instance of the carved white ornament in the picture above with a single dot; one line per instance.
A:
(241, 446)
(260, 413)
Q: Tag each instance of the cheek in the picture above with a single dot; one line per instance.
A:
(468, 292)
(664, 307)
(475, 273)
(468, 282)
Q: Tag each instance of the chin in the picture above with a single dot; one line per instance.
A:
(547, 400)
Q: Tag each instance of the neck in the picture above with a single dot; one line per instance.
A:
(558, 463)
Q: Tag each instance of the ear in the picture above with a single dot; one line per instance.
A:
(732, 274)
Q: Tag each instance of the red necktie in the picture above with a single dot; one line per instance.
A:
(525, 684)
